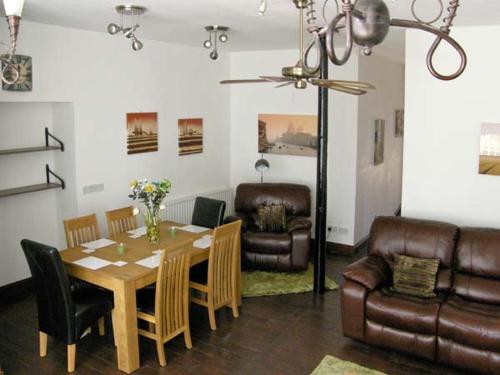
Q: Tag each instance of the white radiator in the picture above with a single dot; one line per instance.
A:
(181, 210)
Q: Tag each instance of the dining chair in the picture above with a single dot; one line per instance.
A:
(166, 308)
(208, 213)
(62, 313)
(121, 220)
(81, 229)
(218, 285)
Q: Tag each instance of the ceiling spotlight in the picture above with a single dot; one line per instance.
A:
(262, 7)
(129, 23)
(214, 36)
(113, 28)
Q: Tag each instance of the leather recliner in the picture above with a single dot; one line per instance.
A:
(461, 326)
(287, 251)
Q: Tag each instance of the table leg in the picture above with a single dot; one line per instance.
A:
(125, 326)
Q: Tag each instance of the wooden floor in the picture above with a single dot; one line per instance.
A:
(274, 335)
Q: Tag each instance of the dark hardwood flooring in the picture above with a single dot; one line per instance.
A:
(274, 335)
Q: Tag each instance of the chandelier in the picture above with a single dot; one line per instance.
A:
(13, 10)
(216, 33)
(129, 23)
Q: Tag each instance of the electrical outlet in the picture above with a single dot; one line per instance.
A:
(88, 189)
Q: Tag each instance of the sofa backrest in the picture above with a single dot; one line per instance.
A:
(295, 198)
(417, 238)
(477, 276)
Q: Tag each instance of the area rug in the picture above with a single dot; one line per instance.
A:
(262, 283)
(334, 366)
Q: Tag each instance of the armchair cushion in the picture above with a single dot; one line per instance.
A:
(372, 272)
(266, 243)
(297, 223)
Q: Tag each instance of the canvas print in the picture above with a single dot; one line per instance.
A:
(288, 134)
(399, 123)
(489, 150)
(142, 132)
(190, 136)
(379, 142)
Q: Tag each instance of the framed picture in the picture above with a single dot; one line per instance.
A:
(190, 136)
(378, 157)
(142, 132)
(489, 150)
(25, 81)
(288, 134)
(399, 123)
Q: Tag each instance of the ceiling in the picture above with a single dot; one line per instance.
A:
(183, 21)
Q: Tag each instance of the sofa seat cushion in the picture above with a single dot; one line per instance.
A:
(470, 323)
(412, 314)
(266, 243)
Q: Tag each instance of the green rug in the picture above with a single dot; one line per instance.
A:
(334, 366)
(261, 283)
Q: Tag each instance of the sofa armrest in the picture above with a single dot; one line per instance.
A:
(298, 223)
(245, 220)
(372, 272)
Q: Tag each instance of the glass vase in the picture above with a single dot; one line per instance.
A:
(152, 221)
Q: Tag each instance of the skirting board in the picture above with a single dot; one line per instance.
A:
(349, 250)
(16, 290)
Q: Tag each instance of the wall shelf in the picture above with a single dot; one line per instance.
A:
(48, 185)
(47, 146)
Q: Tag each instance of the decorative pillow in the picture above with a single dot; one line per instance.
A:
(415, 276)
(271, 218)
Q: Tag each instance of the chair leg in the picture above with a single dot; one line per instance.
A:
(161, 352)
(100, 324)
(234, 306)
(71, 357)
(187, 338)
(43, 344)
(211, 316)
(113, 320)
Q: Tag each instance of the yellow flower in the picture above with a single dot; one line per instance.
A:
(149, 188)
(133, 184)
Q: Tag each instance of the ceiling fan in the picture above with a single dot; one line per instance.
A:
(299, 76)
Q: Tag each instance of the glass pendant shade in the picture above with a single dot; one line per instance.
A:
(13, 7)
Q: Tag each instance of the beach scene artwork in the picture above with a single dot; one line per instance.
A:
(489, 150)
(142, 132)
(288, 134)
(190, 136)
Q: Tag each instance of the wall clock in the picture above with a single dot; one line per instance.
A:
(25, 81)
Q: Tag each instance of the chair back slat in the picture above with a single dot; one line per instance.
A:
(121, 220)
(172, 289)
(81, 229)
(222, 264)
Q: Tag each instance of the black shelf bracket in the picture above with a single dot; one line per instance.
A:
(48, 172)
(49, 135)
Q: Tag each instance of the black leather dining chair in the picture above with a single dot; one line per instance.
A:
(63, 313)
(208, 213)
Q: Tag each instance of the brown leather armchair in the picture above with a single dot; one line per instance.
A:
(461, 326)
(288, 251)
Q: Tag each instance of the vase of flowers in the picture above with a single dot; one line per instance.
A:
(152, 195)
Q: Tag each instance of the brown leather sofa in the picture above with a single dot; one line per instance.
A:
(288, 251)
(461, 326)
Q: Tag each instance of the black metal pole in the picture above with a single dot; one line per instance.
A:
(321, 179)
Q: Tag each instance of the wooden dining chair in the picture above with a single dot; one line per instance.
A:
(166, 309)
(121, 220)
(218, 286)
(81, 230)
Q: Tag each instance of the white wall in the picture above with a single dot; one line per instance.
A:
(102, 79)
(378, 186)
(247, 101)
(443, 119)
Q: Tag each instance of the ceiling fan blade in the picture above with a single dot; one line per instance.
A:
(353, 84)
(347, 90)
(285, 84)
(277, 79)
(231, 81)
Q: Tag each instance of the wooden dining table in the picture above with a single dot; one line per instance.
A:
(125, 280)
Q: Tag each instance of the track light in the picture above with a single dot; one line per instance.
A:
(214, 55)
(214, 36)
(223, 38)
(129, 23)
(207, 44)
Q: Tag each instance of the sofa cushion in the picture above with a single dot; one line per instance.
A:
(410, 314)
(478, 252)
(470, 323)
(415, 276)
(266, 243)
